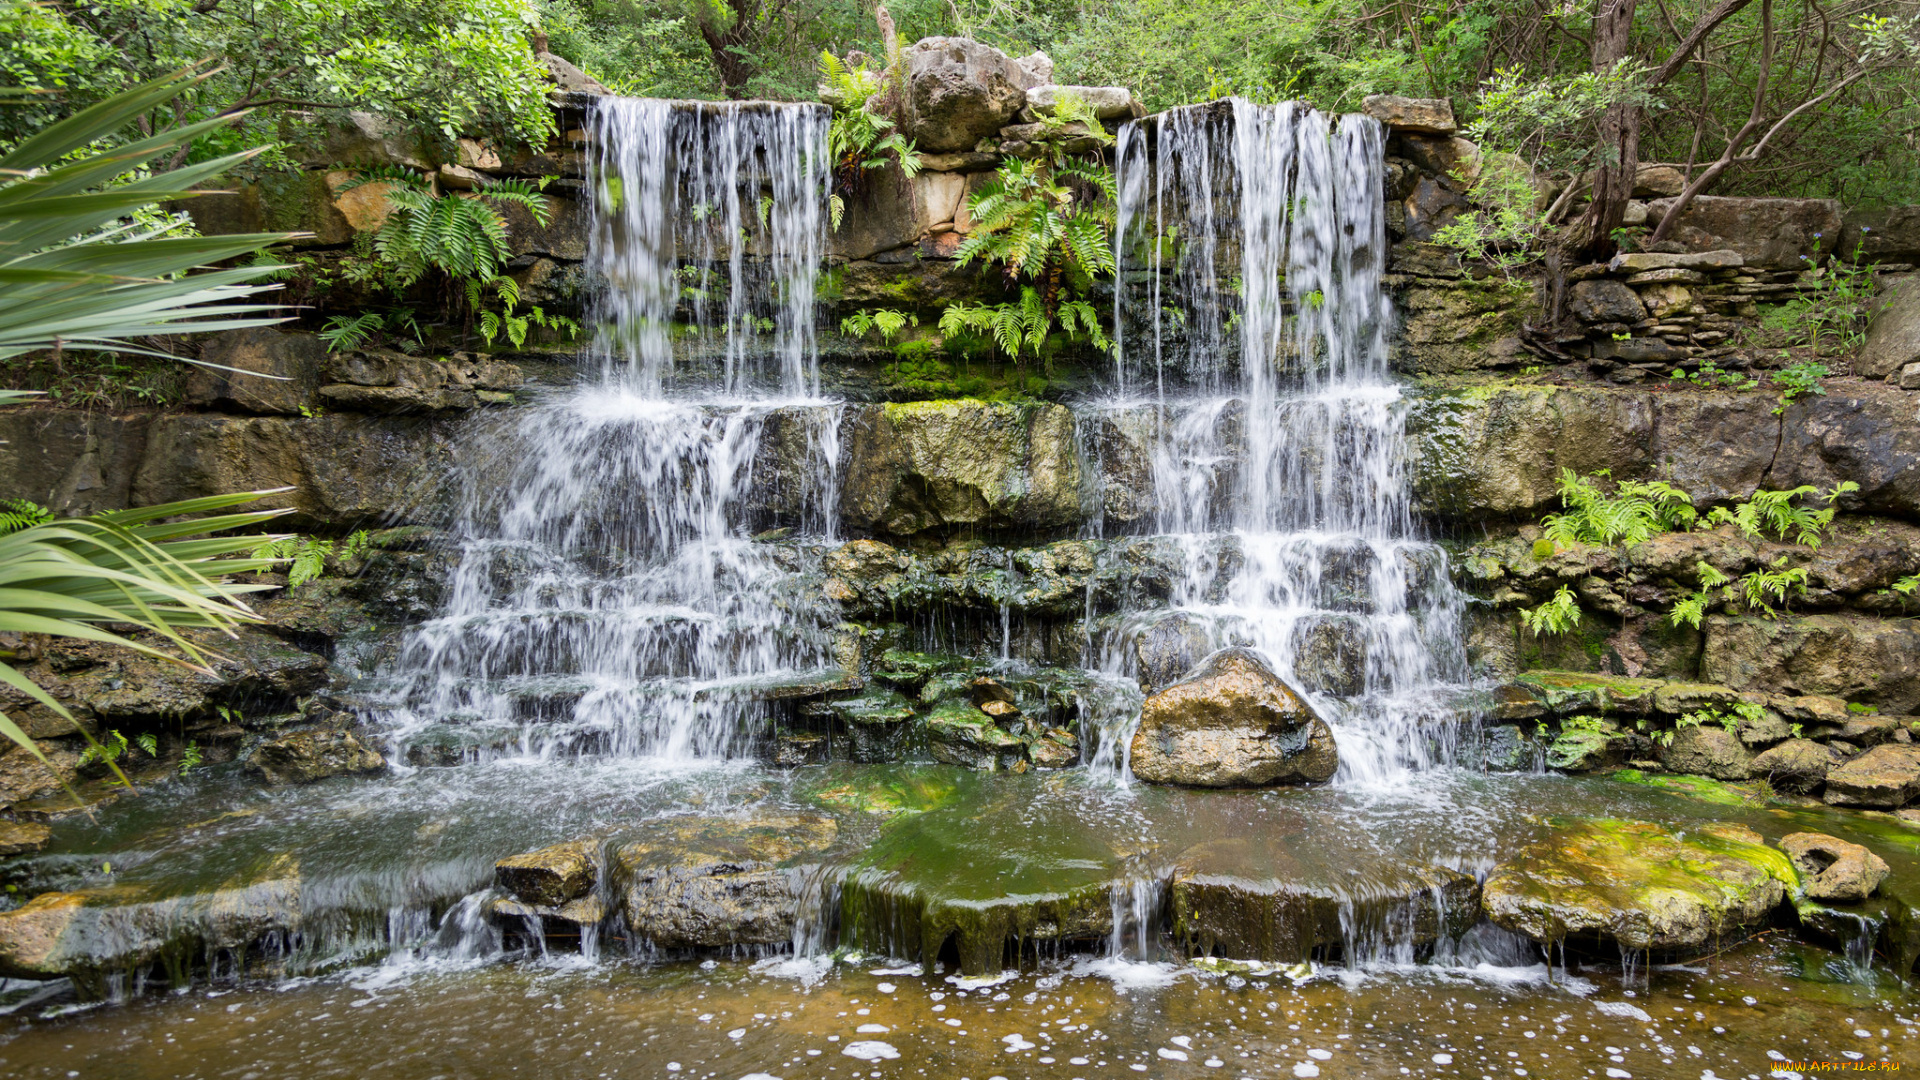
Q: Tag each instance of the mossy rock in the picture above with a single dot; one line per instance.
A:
(1698, 787)
(1591, 882)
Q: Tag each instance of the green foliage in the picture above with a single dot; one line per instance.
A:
(306, 557)
(441, 66)
(1504, 227)
(886, 320)
(1551, 122)
(1797, 379)
(1693, 609)
(190, 757)
(77, 268)
(515, 327)
(1556, 616)
(860, 137)
(17, 514)
(1774, 513)
(1774, 582)
(1711, 376)
(1830, 316)
(1636, 511)
(1908, 585)
(1728, 719)
(458, 235)
(1044, 219)
(1022, 326)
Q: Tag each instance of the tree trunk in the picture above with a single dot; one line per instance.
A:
(729, 45)
(1619, 133)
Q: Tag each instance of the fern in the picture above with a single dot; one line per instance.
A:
(1773, 512)
(1693, 609)
(1775, 583)
(1635, 512)
(1556, 616)
(459, 234)
(17, 514)
(306, 557)
(860, 138)
(885, 320)
(344, 333)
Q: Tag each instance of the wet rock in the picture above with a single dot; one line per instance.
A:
(1056, 748)
(878, 725)
(1566, 693)
(961, 91)
(276, 373)
(1453, 326)
(1587, 749)
(575, 914)
(1167, 648)
(552, 875)
(1429, 116)
(1250, 899)
(307, 756)
(1330, 655)
(899, 211)
(961, 734)
(1231, 723)
(966, 463)
(1510, 749)
(91, 934)
(1602, 300)
(1708, 750)
(713, 882)
(792, 750)
(1588, 882)
(1885, 776)
(23, 837)
(1833, 870)
(1797, 766)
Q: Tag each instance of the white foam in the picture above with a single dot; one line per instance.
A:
(871, 1050)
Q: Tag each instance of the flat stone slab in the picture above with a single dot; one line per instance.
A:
(1591, 881)
(1641, 261)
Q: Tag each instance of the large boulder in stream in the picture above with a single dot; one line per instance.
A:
(1590, 882)
(717, 882)
(1231, 723)
(1833, 870)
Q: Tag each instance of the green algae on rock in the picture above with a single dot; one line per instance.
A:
(1592, 880)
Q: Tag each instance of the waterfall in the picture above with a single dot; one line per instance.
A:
(608, 597)
(1253, 332)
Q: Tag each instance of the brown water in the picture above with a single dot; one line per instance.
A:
(1745, 1014)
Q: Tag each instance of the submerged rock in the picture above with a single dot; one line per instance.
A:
(1637, 884)
(552, 875)
(306, 756)
(713, 882)
(93, 933)
(22, 837)
(1280, 903)
(1833, 870)
(1232, 723)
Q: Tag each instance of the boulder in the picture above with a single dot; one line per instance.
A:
(1797, 766)
(564, 236)
(1856, 657)
(1603, 300)
(1650, 181)
(1509, 748)
(898, 211)
(274, 372)
(1428, 116)
(1330, 655)
(961, 91)
(1833, 870)
(360, 138)
(715, 882)
(1893, 337)
(1231, 723)
(24, 776)
(1775, 233)
(551, 876)
(1708, 750)
(962, 734)
(1107, 102)
(307, 756)
(1886, 777)
(1590, 882)
(569, 79)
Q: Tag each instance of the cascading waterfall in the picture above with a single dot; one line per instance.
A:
(608, 598)
(1282, 476)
